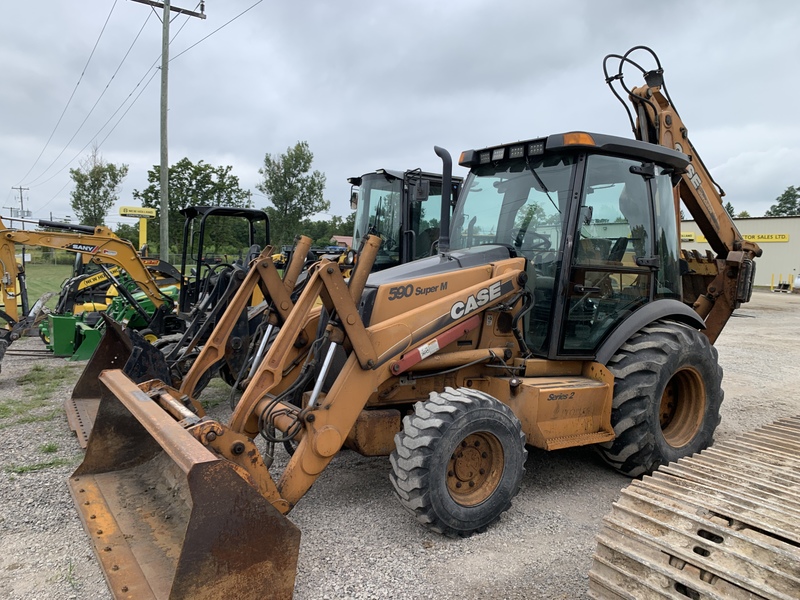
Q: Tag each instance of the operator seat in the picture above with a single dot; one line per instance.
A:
(425, 241)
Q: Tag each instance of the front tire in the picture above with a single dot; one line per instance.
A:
(667, 396)
(459, 461)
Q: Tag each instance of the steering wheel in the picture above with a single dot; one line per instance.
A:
(529, 240)
(541, 242)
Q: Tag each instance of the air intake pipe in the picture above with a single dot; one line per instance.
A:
(447, 189)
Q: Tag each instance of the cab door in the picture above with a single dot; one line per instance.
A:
(612, 265)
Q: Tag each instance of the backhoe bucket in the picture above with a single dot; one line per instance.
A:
(115, 351)
(170, 519)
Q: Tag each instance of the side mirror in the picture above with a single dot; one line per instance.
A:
(421, 191)
(353, 199)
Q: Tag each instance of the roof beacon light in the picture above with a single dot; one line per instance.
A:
(578, 138)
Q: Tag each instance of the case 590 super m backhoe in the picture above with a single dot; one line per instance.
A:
(553, 316)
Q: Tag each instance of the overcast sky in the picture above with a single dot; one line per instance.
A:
(376, 84)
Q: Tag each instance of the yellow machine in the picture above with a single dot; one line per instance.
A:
(103, 248)
(553, 316)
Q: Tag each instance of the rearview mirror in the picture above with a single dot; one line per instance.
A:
(353, 199)
(421, 191)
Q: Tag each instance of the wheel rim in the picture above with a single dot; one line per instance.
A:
(475, 469)
(682, 407)
(150, 337)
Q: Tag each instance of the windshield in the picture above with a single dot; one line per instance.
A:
(518, 202)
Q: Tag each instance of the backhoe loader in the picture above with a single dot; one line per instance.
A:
(553, 315)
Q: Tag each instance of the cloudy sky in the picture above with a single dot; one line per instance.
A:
(376, 84)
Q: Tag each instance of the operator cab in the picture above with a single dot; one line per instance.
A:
(595, 217)
(403, 208)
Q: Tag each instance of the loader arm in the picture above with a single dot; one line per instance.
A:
(264, 275)
(658, 122)
(326, 418)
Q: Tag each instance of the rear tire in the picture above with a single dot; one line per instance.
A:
(667, 396)
(459, 461)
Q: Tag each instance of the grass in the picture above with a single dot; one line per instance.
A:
(42, 278)
(56, 462)
(48, 448)
(38, 386)
(215, 393)
(70, 575)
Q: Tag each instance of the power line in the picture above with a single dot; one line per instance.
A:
(91, 110)
(55, 196)
(155, 71)
(73, 91)
(69, 162)
(119, 108)
(136, 98)
(215, 31)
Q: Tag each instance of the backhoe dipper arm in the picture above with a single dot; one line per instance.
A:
(658, 122)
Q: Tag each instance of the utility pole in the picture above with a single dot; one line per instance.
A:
(163, 246)
(20, 189)
(22, 215)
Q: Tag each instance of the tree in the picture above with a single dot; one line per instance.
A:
(190, 184)
(730, 209)
(743, 215)
(128, 232)
(787, 204)
(323, 231)
(348, 225)
(293, 190)
(96, 188)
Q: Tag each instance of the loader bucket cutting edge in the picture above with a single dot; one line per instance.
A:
(170, 519)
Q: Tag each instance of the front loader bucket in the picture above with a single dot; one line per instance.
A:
(170, 519)
(117, 349)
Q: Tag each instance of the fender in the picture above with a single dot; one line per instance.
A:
(669, 309)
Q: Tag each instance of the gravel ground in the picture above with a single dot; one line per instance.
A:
(357, 541)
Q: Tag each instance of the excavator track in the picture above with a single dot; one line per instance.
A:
(724, 523)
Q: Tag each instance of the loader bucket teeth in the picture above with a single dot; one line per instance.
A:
(117, 349)
(170, 519)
